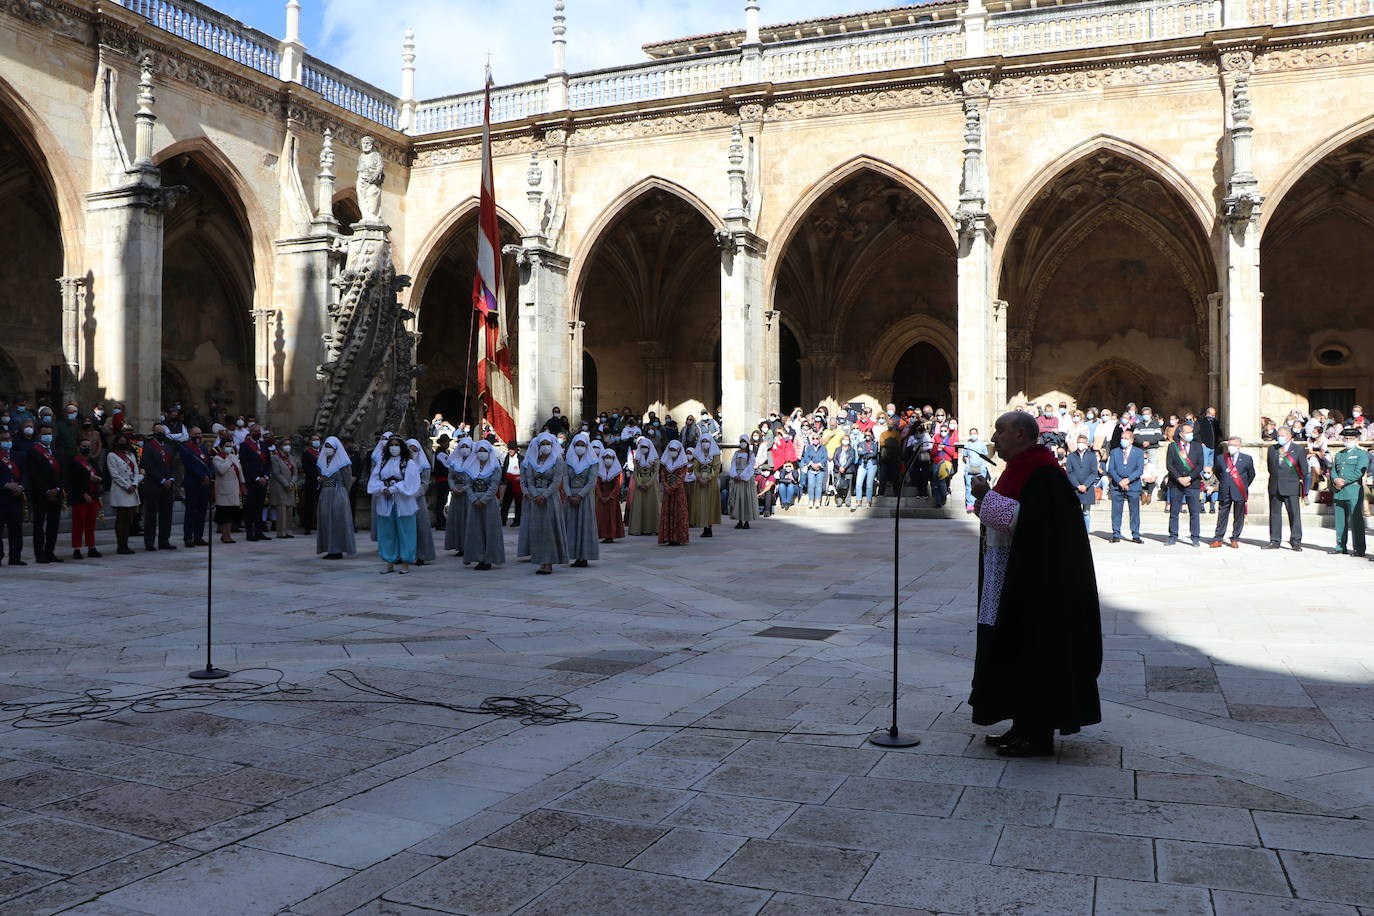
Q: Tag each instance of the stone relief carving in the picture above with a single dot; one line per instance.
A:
(318, 122)
(1166, 71)
(977, 87)
(751, 111)
(173, 66)
(649, 127)
(67, 23)
(875, 100)
(1303, 57)
(470, 149)
(1240, 59)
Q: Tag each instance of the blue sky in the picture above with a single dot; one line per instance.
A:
(454, 36)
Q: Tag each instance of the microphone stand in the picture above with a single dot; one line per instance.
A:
(891, 736)
(209, 672)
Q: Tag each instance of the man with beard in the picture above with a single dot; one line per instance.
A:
(1039, 649)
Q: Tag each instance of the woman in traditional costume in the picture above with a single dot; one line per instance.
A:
(394, 486)
(579, 512)
(542, 536)
(609, 523)
(458, 460)
(744, 492)
(704, 503)
(424, 529)
(335, 537)
(672, 475)
(645, 497)
(482, 516)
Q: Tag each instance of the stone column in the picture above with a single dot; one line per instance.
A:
(73, 298)
(704, 383)
(125, 226)
(1018, 365)
(1216, 311)
(264, 324)
(545, 374)
(291, 52)
(1242, 310)
(577, 384)
(741, 305)
(977, 370)
(558, 75)
(825, 363)
(654, 361)
(772, 360)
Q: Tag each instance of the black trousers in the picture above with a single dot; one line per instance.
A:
(1177, 499)
(12, 527)
(47, 516)
(157, 515)
(253, 502)
(505, 506)
(197, 505)
(310, 506)
(1277, 505)
(1232, 510)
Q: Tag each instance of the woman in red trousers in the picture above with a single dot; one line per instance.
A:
(83, 492)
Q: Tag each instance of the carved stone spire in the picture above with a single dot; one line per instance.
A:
(324, 181)
(144, 119)
(739, 197)
(751, 61)
(291, 50)
(408, 102)
(751, 22)
(972, 195)
(1242, 202)
(534, 177)
(558, 76)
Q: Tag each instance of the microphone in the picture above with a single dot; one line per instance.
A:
(988, 458)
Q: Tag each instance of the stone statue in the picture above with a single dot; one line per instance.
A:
(371, 173)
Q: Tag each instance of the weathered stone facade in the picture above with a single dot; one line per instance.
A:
(985, 216)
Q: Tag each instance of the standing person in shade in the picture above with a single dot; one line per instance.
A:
(424, 528)
(310, 484)
(645, 497)
(744, 491)
(257, 473)
(1349, 469)
(439, 493)
(198, 484)
(394, 486)
(542, 535)
(610, 524)
(557, 423)
(867, 456)
(482, 516)
(1039, 655)
(704, 466)
(334, 472)
(230, 489)
(974, 464)
(282, 488)
(579, 512)
(126, 481)
(1289, 481)
(1184, 464)
(510, 486)
(11, 501)
(673, 515)
(1235, 471)
(458, 485)
(1084, 474)
(1125, 469)
(43, 473)
(159, 481)
(82, 481)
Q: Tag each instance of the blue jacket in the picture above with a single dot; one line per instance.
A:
(197, 467)
(1083, 472)
(1132, 468)
(816, 453)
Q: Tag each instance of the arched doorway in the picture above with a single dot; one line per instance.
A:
(923, 376)
(589, 387)
(847, 274)
(650, 298)
(1115, 383)
(789, 362)
(207, 290)
(1318, 282)
(1108, 261)
(446, 319)
(448, 402)
(30, 301)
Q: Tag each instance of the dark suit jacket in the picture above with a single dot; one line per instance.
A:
(1282, 480)
(7, 498)
(40, 476)
(1082, 470)
(1177, 467)
(196, 465)
(1209, 431)
(1134, 468)
(76, 480)
(156, 466)
(1226, 487)
(254, 465)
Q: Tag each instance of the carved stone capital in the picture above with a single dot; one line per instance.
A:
(1242, 207)
(1237, 60)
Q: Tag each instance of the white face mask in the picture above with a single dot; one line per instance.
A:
(329, 449)
(545, 450)
(1283, 440)
(464, 450)
(1082, 446)
(314, 443)
(395, 451)
(1187, 437)
(1126, 443)
(1233, 449)
(1357, 414)
(580, 447)
(286, 449)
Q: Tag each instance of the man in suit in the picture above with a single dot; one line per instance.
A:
(198, 482)
(257, 471)
(159, 482)
(1289, 480)
(43, 473)
(1183, 464)
(1083, 472)
(1235, 471)
(1124, 469)
(11, 501)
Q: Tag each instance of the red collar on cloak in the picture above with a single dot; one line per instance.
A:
(1020, 469)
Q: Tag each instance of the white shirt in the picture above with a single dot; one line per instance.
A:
(403, 491)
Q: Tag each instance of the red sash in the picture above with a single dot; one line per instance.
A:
(127, 459)
(1240, 484)
(10, 466)
(43, 450)
(93, 485)
(157, 446)
(1296, 470)
(1183, 456)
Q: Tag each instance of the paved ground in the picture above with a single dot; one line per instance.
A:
(1234, 772)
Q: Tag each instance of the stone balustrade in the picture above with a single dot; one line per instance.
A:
(508, 103)
(1094, 24)
(865, 52)
(350, 93)
(1286, 12)
(212, 30)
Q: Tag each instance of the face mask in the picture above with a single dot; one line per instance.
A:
(71, 416)
(1063, 410)
(1092, 416)
(46, 438)
(329, 449)
(1082, 446)
(1357, 414)
(161, 418)
(314, 443)
(1283, 440)
(1233, 449)
(545, 450)
(5, 420)
(239, 424)
(85, 449)
(1187, 437)
(1126, 443)
(1350, 443)
(395, 451)
(98, 412)
(464, 450)
(6, 445)
(286, 449)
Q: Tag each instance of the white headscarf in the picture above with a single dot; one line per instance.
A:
(674, 459)
(597, 449)
(379, 450)
(744, 471)
(473, 466)
(456, 460)
(417, 453)
(638, 454)
(532, 459)
(608, 467)
(577, 465)
(328, 467)
(706, 448)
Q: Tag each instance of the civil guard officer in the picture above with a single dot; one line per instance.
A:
(1348, 471)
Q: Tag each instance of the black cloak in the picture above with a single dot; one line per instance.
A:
(1039, 663)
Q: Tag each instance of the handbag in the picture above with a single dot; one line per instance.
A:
(944, 470)
(1324, 497)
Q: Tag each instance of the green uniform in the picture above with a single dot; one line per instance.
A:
(1351, 465)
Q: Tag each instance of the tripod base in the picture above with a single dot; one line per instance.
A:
(890, 737)
(208, 673)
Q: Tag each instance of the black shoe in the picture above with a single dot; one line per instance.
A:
(1339, 551)
(1116, 539)
(288, 535)
(1269, 547)
(482, 567)
(167, 546)
(1360, 554)
(125, 551)
(1297, 548)
(200, 542)
(417, 562)
(188, 544)
(93, 553)
(333, 556)
(1024, 747)
(41, 560)
(1137, 541)
(706, 532)
(608, 540)
(1007, 737)
(76, 555)
(54, 558)
(1171, 542)
(18, 563)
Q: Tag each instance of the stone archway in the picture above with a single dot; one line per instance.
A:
(1108, 260)
(1113, 383)
(1318, 282)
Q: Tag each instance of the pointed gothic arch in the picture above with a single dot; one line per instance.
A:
(441, 235)
(53, 167)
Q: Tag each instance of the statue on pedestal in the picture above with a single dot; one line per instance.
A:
(371, 174)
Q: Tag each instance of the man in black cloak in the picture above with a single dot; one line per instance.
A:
(1039, 627)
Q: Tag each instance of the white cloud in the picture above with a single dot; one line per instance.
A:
(453, 37)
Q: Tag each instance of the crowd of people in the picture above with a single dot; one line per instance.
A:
(624, 473)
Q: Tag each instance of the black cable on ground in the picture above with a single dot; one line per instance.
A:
(97, 703)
